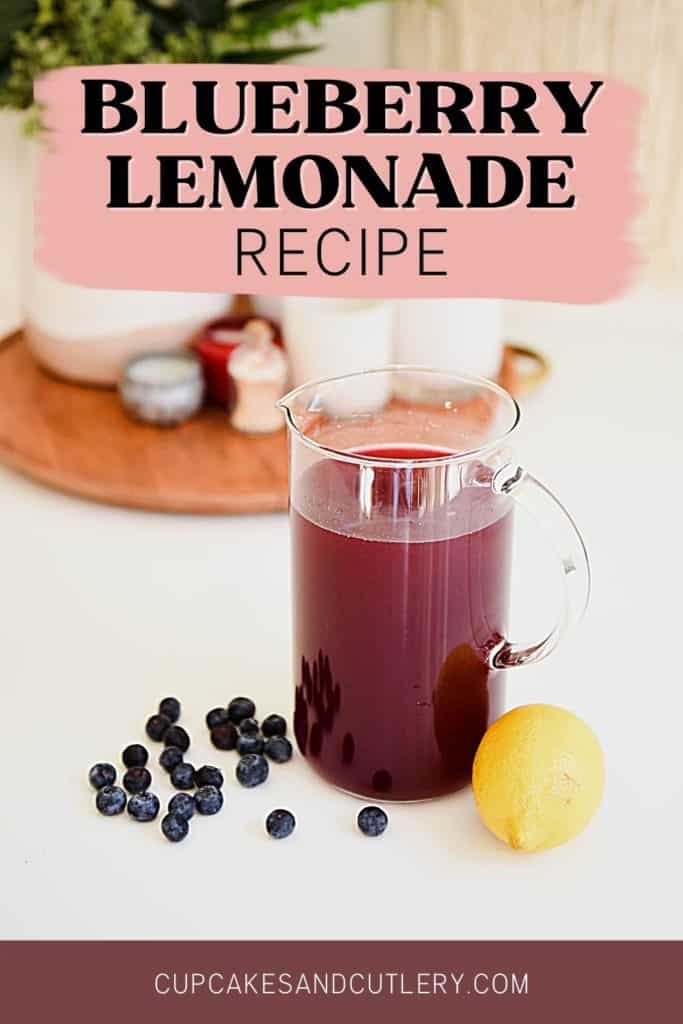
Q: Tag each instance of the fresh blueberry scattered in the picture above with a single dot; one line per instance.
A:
(170, 707)
(110, 800)
(208, 800)
(181, 804)
(249, 745)
(208, 776)
(177, 737)
(143, 806)
(170, 757)
(278, 749)
(182, 776)
(280, 824)
(251, 770)
(102, 774)
(372, 821)
(249, 727)
(240, 708)
(137, 780)
(217, 716)
(224, 737)
(157, 726)
(230, 728)
(135, 756)
(274, 725)
(174, 827)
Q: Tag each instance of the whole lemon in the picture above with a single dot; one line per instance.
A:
(538, 777)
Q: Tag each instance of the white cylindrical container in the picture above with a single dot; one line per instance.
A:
(89, 334)
(454, 335)
(332, 337)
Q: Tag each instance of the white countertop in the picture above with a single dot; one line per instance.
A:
(103, 611)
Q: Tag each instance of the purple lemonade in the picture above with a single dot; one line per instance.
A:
(400, 588)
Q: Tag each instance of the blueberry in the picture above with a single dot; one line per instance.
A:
(157, 727)
(278, 749)
(170, 757)
(170, 707)
(102, 774)
(274, 725)
(137, 780)
(181, 804)
(182, 776)
(217, 716)
(280, 824)
(143, 806)
(174, 827)
(208, 776)
(110, 800)
(372, 821)
(251, 770)
(224, 737)
(135, 756)
(209, 800)
(249, 745)
(249, 727)
(241, 708)
(177, 737)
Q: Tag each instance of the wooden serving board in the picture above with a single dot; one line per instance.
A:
(79, 440)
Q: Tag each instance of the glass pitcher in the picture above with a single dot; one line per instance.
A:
(403, 485)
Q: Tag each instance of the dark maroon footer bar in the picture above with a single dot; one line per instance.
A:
(553, 982)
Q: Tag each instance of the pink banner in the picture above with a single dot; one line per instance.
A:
(326, 181)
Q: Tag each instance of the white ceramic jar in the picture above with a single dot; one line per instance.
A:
(329, 337)
(333, 337)
(454, 335)
(89, 334)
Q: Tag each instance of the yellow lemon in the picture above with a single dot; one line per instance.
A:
(538, 777)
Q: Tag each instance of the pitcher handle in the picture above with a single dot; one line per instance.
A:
(533, 496)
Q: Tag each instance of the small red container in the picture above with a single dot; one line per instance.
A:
(214, 344)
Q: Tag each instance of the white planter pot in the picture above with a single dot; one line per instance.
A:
(89, 334)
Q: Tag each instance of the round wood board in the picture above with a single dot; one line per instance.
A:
(79, 440)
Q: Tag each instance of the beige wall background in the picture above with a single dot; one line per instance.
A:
(639, 41)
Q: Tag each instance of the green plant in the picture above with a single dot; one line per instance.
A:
(41, 35)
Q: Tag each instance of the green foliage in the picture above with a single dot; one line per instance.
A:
(16, 17)
(67, 32)
(41, 35)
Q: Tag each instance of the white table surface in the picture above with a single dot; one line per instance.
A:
(103, 611)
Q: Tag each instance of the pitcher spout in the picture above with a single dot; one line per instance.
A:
(455, 416)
